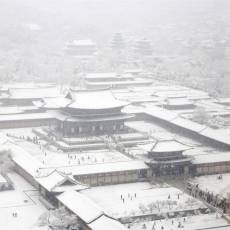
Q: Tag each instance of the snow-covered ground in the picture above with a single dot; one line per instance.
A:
(89, 157)
(26, 132)
(52, 158)
(189, 223)
(141, 198)
(24, 201)
(211, 183)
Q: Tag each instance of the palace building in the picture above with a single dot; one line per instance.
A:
(115, 80)
(88, 112)
(117, 42)
(166, 158)
(178, 104)
(81, 48)
(23, 97)
(143, 47)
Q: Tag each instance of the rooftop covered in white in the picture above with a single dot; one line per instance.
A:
(211, 221)
(169, 146)
(140, 194)
(106, 223)
(59, 182)
(81, 205)
(95, 99)
(130, 165)
(38, 92)
(108, 75)
(82, 42)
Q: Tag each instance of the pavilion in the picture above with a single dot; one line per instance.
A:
(143, 47)
(166, 158)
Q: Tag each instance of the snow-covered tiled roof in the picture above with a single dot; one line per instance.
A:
(40, 92)
(119, 81)
(25, 116)
(53, 103)
(159, 112)
(188, 124)
(101, 75)
(2, 179)
(173, 118)
(83, 42)
(10, 110)
(216, 135)
(105, 167)
(64, 117)
(224, 100)
(178, 102)
(55, 180)
(133, 71)
(211, 158)
(169, 146)
(81, 205)
(106, 223)
(24, 160)
(108, 75)
(95, 99)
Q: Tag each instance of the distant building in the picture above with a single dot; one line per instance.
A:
(81, 48)
(26, 96)
(114, 80)
(178, 104)
(19, 106)
(143, 47)
(117, 42)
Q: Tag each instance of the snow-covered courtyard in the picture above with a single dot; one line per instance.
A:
(206, 221)
(136, 199)
(24, 201)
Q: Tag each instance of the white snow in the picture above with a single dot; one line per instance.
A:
(2, 179)
(212, 157)
(109, 198)
(211, 183)
(83, 42)
(101, 99)
(212, 221)
(79, 204)
(24, 201)
(55, 182)
(50, 158)
(25, 116)
(106, 223)
(105, 167)
(39, 92)
(169, 146)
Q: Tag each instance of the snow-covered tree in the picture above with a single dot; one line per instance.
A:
(200, 115)
(59, 219)
(6, 163)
